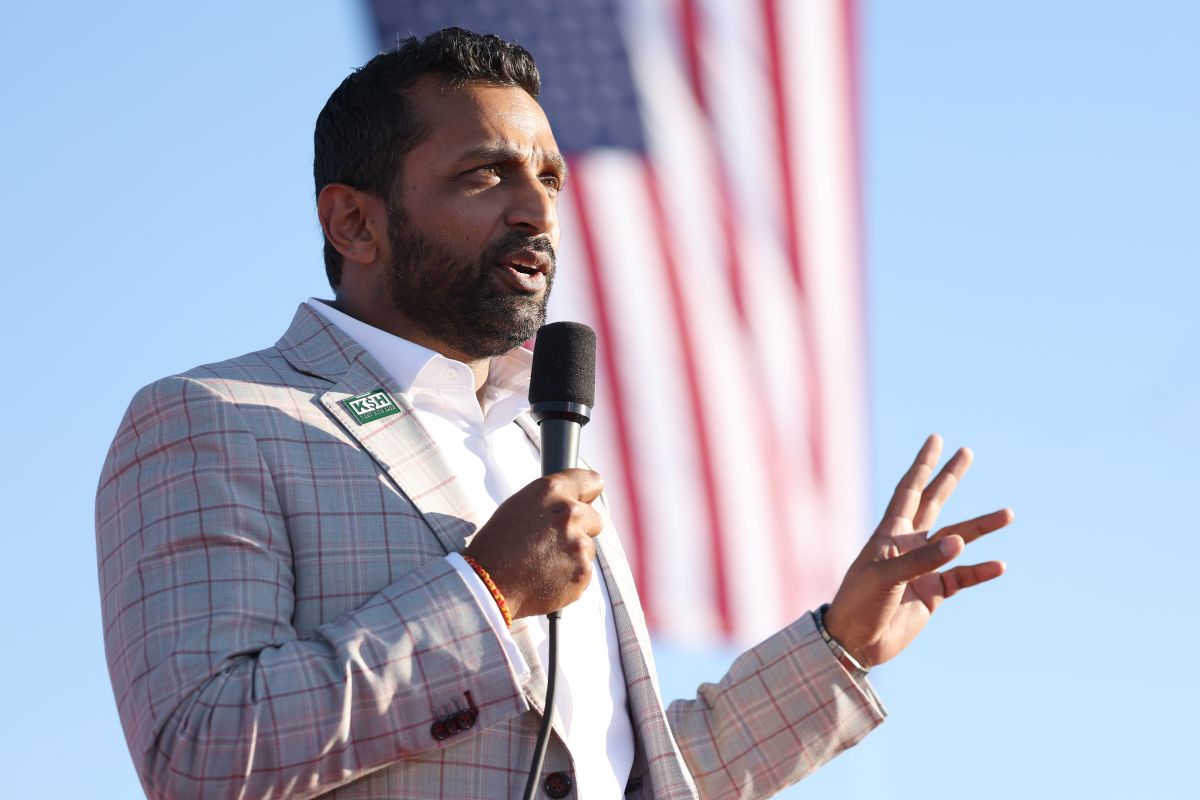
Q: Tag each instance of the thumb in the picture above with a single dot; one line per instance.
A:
(921, 561)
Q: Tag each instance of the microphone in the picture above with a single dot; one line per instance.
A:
(562, 388)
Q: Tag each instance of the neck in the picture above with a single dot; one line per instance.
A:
(398, 325)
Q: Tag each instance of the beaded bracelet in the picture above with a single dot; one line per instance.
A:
(491, 587)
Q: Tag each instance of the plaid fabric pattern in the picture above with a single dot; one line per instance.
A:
(279, 619)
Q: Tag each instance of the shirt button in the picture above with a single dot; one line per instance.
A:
(449, 374)
(557, 785)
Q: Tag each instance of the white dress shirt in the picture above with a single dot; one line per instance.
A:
(493, 458)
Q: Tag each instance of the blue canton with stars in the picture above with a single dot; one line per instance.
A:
(587, 85)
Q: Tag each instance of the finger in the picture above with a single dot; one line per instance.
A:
(972, 529)
(959, 578)
(936, 494)
(578, 484)
(907, 496)
(921, 561)
(588, 518)
(583, 548)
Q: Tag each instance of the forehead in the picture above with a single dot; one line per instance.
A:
(461, 119)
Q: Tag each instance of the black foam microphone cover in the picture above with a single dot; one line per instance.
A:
(564, 365)
(562, 387)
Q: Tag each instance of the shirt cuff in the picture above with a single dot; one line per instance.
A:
(487, 604)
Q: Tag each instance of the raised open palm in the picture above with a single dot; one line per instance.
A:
(894, 585)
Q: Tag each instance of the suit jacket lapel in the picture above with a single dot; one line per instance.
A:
(656, 742)
(398, 442)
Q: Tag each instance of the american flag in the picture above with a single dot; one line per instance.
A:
(710, 235)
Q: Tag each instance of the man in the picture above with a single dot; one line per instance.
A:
(310, 556)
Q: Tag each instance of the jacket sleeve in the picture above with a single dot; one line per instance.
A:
(785, 707)
(217, 694)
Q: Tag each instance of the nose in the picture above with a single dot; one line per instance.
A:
(533, 207)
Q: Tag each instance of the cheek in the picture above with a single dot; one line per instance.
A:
(455, 227)
(467, 221)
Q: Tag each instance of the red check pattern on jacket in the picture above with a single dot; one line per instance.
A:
(279, 619)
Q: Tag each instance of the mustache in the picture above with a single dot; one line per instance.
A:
(517, 241)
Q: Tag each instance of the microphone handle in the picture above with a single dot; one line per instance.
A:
(560, 444)
(560, 450)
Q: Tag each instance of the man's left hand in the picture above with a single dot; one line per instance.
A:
(894, 585)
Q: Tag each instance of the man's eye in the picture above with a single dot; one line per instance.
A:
(552, 181)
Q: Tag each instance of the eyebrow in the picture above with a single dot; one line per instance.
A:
(504, 151)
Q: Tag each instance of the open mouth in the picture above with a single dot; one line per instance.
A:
(524, 278)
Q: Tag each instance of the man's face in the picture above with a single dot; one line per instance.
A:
(473, 225)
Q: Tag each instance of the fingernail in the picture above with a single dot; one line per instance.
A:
(946, 546)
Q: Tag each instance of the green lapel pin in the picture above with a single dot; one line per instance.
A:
(370, 406)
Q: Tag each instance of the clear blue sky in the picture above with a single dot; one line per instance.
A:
(1033, 272)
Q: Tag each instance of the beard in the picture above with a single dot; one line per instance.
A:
(459, 302)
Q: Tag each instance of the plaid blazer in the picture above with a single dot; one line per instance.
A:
(279, 620)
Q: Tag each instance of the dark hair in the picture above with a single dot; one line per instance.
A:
(368, 124)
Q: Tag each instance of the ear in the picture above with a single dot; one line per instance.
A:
(354, 221)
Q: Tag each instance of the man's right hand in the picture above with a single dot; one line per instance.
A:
(538, 546)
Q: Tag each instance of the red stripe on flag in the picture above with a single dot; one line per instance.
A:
(853, 98)
(577, 195)
(792, 234)
(783, 136)
(690, 23)
(661, 228)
